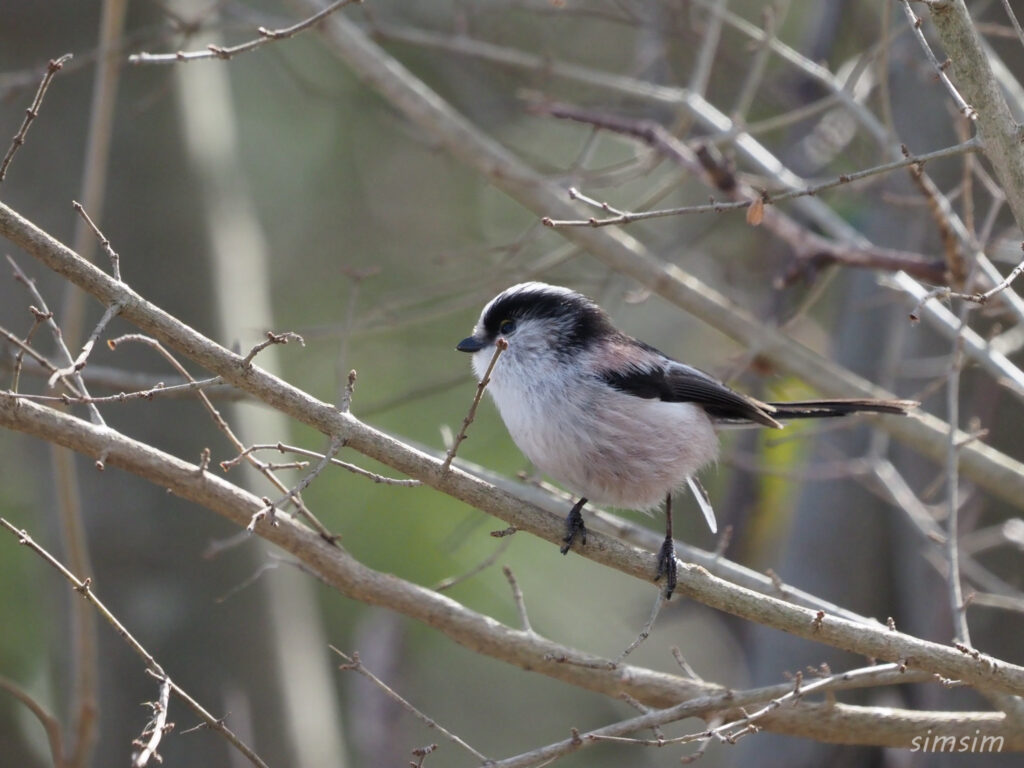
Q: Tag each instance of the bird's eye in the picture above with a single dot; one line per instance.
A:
(507, 326)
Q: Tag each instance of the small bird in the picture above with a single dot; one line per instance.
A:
(610, 417)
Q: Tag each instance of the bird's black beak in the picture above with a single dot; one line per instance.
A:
(470, 344)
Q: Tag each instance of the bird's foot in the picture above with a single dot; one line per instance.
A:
(574, 527)
(667, 566)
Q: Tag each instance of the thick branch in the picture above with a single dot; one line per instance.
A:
(999, 132)
(694, 580)
(832, 722)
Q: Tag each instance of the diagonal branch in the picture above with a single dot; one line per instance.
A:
(336, 567)
(999, 132)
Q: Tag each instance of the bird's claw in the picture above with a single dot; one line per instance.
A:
(667, 566)
(574, 527)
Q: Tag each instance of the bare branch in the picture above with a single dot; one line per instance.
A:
(336, 567)
(517, 596)
(352, 663)
(940, 69)
(32, 112)
(155, 728)
(115, 260)
(84, 588)
(499, 346)
(224, 53)
(272, 338)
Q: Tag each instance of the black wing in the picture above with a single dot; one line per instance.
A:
(678, 383)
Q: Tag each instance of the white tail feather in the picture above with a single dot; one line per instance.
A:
(705, 503)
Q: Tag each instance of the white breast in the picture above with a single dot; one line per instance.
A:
(609, 446)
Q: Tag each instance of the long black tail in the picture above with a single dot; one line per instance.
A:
(822, 409)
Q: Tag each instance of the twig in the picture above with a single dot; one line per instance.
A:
(352, 663)
(724, 540)
(946, 323)
(38, 318)
(983, 298)
(224, 53)
(915, 23)
(517, 596)
(755, 74)
(941, 212)
(272, 338)
(84, 588)
(76, 365)
(32, 112)
(115, 260)
(685, 665)
(999, 602)
(499, 346)
(705, 59)
(769, 197)
(124, 380)
(23, 347)
(156, 728)
(1013, 21)
(223, 426)
(355, 283)
(483, 565)
(705, 113)
(345, 403)
(645, 631)
(641, 707)
(696, 707)
(79, 385)
(294, 492)
(157, 390)
(421, 753)
(958, 610)
(279, 446)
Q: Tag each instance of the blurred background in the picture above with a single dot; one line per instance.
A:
(277, 191)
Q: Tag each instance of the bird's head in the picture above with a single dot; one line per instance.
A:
(543, 324)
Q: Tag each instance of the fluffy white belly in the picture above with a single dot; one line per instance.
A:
(610, 447)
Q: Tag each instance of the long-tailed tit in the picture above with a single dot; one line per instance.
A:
(613, 419)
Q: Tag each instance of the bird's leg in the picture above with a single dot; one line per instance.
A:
(574, 525)
(667, 554)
